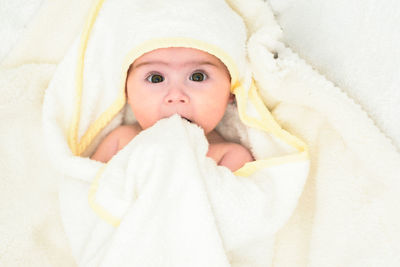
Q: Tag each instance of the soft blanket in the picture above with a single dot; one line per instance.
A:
(162, 189)
(347, 214)
(161, 202)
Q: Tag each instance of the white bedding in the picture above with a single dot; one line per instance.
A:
(347, 215)
(161, 202)
(355, 45)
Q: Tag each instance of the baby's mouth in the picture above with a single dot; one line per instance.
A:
(187, 119)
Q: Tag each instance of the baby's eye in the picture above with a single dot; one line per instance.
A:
(198, 77)
(155, 78)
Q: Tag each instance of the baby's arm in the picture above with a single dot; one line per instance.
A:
(235, 157)
(114, 142)
(231, 155)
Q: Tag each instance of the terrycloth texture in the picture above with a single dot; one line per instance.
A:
(101, 64)
(353, 43)
(46, 37)
(348, 210)
(162, 189)
(31, 232)
(346, 216)
(173, 206)
(13, 21)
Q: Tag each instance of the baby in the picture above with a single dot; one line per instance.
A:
(176, 80)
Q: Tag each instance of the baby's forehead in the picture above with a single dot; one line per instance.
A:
(178, 56)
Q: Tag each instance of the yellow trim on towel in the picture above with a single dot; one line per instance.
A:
(101, 211)
(268, 124)
(76, 147)
(265, 123)
(253, 166)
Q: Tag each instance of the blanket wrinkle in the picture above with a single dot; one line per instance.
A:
(331, 226)
(187, 204)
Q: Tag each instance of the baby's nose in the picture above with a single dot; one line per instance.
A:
(176, 96)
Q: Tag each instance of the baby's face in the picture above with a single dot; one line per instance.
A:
(189, 82)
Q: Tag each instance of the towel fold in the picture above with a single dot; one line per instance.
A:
(161, 202)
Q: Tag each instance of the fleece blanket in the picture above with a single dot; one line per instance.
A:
(161, 202)
(347, 214)
(354, 46)
(161, 195)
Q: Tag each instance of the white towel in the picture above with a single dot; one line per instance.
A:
(161, 202)
(161, 189)
(347, 215)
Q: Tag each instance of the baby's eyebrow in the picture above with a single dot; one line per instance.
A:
(168, 64)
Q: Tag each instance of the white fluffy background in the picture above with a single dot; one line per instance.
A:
(355, 44)
(30, 226)
(14, 18)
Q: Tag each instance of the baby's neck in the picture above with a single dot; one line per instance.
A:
(214, 137)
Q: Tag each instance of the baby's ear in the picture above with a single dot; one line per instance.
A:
(231, 98)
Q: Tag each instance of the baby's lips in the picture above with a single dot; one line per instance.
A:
(187, 118)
